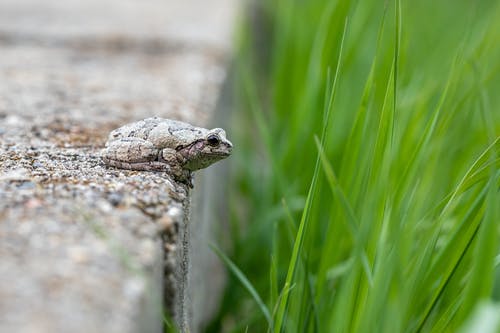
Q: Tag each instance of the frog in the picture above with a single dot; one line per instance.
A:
(165, 145)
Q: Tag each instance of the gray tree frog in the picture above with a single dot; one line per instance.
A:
(171, 146)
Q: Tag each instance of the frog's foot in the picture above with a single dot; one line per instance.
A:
(183, 176)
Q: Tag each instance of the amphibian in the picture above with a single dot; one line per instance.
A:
(171, 146)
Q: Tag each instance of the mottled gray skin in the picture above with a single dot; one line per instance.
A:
(175, 147)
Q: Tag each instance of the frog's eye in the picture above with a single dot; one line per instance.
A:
(213, 140)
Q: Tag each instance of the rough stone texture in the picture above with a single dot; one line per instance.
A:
(84, 248)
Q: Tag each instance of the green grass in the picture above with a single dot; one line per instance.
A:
(366, 175)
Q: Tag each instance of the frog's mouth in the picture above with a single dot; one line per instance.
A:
(223, 150)
(226, 152)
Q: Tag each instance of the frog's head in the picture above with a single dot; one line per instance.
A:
(203, 152)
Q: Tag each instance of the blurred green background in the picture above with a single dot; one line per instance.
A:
(365, 183)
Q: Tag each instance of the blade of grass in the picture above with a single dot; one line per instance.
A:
(245, 282)
(451, 255)
(299, 239)
(495, 146)
(397, 39)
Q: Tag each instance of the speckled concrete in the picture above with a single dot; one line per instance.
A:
(84, 248)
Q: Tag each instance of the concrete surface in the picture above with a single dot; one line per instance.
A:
(84, 248)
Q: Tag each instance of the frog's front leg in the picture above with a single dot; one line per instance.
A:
(133, 154)
(176, 162)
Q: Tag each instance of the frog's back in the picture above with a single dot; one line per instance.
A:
(139, 129)
(161, 132)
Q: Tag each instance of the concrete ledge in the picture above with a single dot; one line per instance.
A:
(84, 248)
